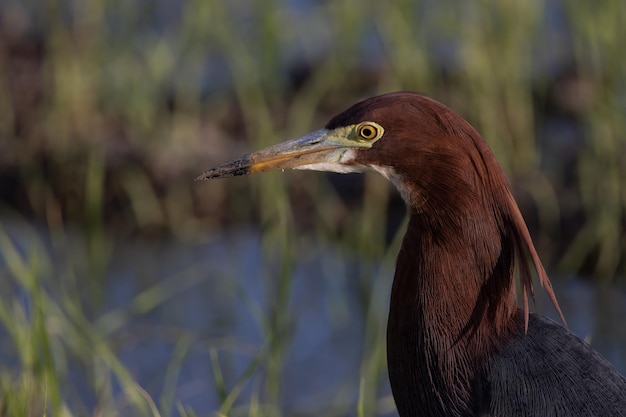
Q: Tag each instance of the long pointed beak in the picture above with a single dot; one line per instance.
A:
(322, 147)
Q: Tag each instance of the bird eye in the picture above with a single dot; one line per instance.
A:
(369, 131)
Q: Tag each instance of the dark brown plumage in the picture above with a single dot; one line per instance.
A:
(458, 345)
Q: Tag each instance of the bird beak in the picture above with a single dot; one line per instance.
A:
(323, 150)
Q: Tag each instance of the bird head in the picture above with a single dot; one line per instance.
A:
(427, 151)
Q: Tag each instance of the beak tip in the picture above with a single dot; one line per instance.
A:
(205, 175)
(223, 171)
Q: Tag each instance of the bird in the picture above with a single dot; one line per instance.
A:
(458, 342)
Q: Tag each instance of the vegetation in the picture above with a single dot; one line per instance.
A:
(109, 108)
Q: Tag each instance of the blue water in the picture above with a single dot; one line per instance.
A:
(219, 294)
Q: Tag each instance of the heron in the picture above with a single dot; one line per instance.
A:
(458, 343)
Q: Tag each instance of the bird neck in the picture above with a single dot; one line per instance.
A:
(452, 303)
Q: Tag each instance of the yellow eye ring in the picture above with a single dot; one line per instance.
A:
(370, 130)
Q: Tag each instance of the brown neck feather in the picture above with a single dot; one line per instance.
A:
(452, 304)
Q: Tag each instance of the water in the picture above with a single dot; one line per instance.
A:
(218, 294)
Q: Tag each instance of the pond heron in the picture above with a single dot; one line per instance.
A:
(457, 342)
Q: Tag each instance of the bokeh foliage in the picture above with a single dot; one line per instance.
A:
(109, 108)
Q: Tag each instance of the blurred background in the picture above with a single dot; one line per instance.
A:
(127, 289)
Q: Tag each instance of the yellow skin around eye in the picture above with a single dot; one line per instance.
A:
(370, 130)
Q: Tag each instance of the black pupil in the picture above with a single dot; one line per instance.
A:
(368, 132)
